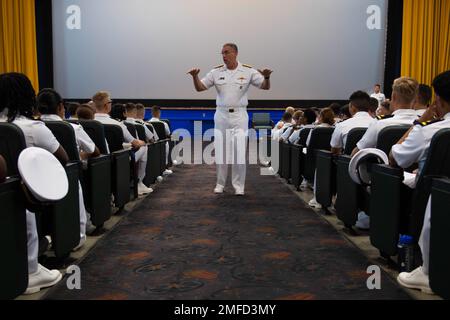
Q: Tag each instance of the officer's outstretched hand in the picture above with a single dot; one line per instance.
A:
(266, 72)
(194, 72)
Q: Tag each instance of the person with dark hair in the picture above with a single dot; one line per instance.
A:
(377, 94)
(156, 117)
(336, 107)
(325, 119)
(232, 81)
(84, 112)
(373, 106)
(413, 148)
(118, 112)
(423, 99)
(72, 108)
(51, 106)
(102, 101)
(383, 110)
(306, 121)
(3, 169)
(360, 118)
(17, 103)
(344, 112)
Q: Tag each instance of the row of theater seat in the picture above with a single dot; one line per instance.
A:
(394, 208)
(106, 177)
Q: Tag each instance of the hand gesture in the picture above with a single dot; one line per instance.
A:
(430, 114)
(266, 72)
(194, 72)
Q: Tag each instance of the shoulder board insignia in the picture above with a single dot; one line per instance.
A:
(384, 117)
(219, 66)
(426, 123)
(247, 65)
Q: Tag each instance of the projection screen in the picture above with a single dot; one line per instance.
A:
(142, 49)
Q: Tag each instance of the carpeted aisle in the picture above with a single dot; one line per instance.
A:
(184, 242)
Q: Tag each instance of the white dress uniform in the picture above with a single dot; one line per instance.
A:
(36, 135)
(415, 149)
(231, 116)
(278, 133)
(360, 119)
(287, 133)
(85, 144)
(296, 134)
(148, 134)
(399, 117)
(140, 155)
(379, 96)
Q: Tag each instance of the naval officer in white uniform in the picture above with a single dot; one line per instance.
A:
(232, 81)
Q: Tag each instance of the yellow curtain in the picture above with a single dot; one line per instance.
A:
(18, 39)
(426, 39)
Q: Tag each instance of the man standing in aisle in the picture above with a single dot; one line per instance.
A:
(232, 81)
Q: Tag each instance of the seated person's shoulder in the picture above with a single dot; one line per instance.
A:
(384, 117)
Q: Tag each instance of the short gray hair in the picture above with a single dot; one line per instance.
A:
(232, 45)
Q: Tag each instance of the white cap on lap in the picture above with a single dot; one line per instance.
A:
(43, 174)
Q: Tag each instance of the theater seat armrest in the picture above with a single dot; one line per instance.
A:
(386, 169)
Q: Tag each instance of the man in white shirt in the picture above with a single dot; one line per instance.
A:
(140, 119)
(377, 94)
(232, 82)
(413, 148)
(404, 93)
(103, 102)
(131, 113)
(359, 109)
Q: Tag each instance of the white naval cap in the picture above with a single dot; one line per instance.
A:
(43, 174)
(358, 168)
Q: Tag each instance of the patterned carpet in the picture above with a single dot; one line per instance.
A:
(184, 242)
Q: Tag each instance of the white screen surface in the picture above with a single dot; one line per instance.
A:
(142, 49)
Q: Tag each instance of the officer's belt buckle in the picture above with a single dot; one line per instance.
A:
(231, 110)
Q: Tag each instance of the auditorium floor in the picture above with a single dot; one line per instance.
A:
(201, 247)
(361, 240)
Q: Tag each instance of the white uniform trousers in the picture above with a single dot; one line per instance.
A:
(167, 152)
(83, 214)
(32, 242)
(424, 240)
(230, 142)
(140, 157)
